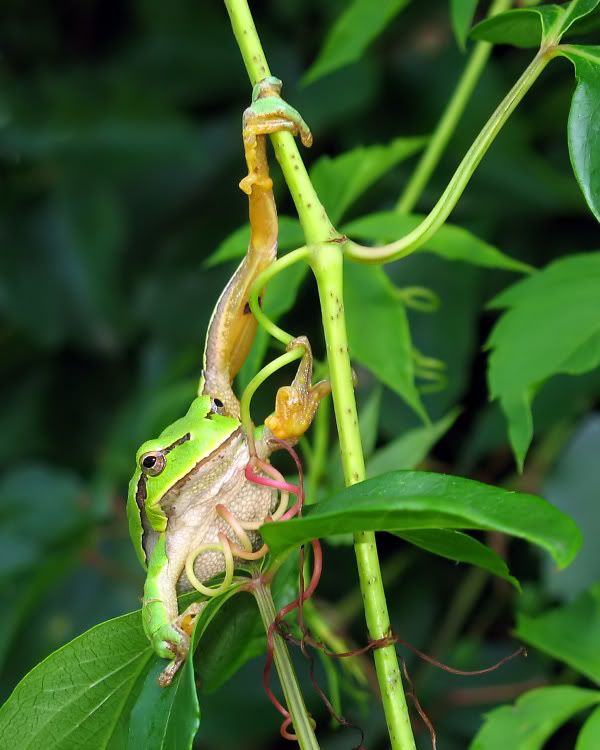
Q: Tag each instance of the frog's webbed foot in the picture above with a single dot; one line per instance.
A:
(296, 404)
(172, 641)
(268, 113)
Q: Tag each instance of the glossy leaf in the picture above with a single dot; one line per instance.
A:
(414, 500)
(554, 633)
(454, 545)
(450, 241)
(584, 122)
(235, 245)
(462, 13)
(528, 27)
(340, 180)
(534, 717)
(359, 24)
(165, 718)
(551, 326)
(589, 737)
(378, 332)
(408, 450)
(77, 697)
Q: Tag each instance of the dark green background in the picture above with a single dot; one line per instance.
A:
(120, 154)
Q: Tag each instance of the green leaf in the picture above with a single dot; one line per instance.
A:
(553, 633)
(535, 716)
(77, 697)
(235, 245)
(235, 635)
(449, 242)
(454, 545)
(551, 326)
(378, 332)
(408, 450)
(589, 737)
(412, 500)
(584, 122)
(529, 27)
(360, 23)
(339, 181)
(522, 27)
(165, 718)
(462, 13)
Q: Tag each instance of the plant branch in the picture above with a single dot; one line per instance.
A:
(451, 195)
(301, 720)
(326, 262)
(449, 120)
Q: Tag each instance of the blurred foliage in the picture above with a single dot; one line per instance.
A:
(121, 152)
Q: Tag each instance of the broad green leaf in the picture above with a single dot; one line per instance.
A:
(235, 635)
(528, 27)
(535, 716)
(522, 27)
(339, 181)
(359, 24)
(78, 696)
(408, 450)
(165, 718)
(412, 500)
(553, 633)
(454, 545)
(449, 242)
(584, 122)
(589, 737)
(378, 332)
(551, 326)
(462, 13)
(235, 245)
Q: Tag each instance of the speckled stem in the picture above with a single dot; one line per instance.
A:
(327, 263)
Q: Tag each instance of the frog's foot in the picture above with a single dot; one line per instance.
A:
(170, 642)
(269, 113)
(296, 404)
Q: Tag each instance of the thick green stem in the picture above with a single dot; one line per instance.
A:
(449, 120)
(303, 725)
(326, 262)
(451, 195)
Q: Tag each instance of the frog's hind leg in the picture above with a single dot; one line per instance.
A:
(232, 326)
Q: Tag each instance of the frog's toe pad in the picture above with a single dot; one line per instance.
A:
(170, 642)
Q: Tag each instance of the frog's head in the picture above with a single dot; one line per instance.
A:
(168, 459)
(269, 86)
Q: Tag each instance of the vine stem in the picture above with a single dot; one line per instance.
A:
(326, 261)
(449, 120)
(451, 195)
(302, 723)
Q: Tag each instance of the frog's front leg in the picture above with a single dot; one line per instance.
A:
(168, 631)
(296, 404)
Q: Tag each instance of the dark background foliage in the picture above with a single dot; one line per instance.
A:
(120, 153)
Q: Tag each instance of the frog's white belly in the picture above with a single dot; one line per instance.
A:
(190, 509)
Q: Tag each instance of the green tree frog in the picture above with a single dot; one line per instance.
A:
(196, 466)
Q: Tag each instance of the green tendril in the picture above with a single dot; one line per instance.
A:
(419, 298)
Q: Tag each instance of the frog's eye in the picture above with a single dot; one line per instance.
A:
(217, 406)
(152, 463)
